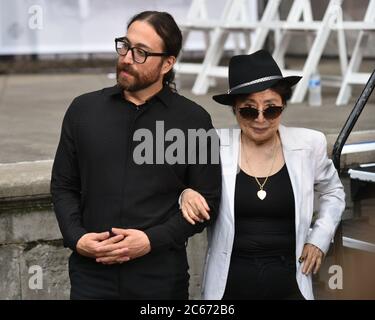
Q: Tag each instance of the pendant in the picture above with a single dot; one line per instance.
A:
(261, 194)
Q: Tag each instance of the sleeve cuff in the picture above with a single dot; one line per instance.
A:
(320, 239)
(73, 239)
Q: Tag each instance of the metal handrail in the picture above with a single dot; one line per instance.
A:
(337, 149)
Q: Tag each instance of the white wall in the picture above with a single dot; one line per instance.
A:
(75, 26)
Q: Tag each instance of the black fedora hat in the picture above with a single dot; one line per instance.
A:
(252, 73)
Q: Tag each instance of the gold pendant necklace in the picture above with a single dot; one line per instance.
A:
(261, 192)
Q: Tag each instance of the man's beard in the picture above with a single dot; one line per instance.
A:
(137, 81)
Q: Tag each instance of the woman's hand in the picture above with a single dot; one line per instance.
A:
(311, 258)
(194, 206)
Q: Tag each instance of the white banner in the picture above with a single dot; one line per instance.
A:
(80, 26)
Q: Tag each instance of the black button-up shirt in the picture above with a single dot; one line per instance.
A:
(97, 185)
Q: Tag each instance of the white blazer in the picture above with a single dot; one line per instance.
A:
(305, 154)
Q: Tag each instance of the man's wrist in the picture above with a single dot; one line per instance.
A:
(180, 197)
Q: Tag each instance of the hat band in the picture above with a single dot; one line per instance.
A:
(254, 82)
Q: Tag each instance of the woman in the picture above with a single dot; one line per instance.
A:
(261, 246)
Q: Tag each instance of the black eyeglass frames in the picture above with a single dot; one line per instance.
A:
(139, 55)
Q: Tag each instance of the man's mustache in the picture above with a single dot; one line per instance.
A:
(127, 69)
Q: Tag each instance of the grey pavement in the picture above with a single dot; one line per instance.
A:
(32, 108)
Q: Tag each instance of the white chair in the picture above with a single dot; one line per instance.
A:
(198, 20)
(235, 21)
(352, 76)
(317, 32)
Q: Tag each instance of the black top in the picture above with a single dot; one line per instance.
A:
(264, 227)
(96, 183)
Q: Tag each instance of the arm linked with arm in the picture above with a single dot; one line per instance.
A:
(205, 178)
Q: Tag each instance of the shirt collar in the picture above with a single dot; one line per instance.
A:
(112, 91)
(164, 95)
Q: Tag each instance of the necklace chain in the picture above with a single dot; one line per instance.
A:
(261, 185)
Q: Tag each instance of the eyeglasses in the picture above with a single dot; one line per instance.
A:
(252, 113)
(139, 55)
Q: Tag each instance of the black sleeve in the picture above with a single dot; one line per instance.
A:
(204, 178)
(66, 184)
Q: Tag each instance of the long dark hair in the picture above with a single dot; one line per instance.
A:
(167, 29)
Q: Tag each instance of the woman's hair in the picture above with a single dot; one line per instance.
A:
(282, 88)
(167, 29)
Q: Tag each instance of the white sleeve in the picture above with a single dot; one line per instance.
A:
(331, 195)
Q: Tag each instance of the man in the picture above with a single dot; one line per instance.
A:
(121, 218)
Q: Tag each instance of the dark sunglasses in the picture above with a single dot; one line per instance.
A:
(252, 113)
